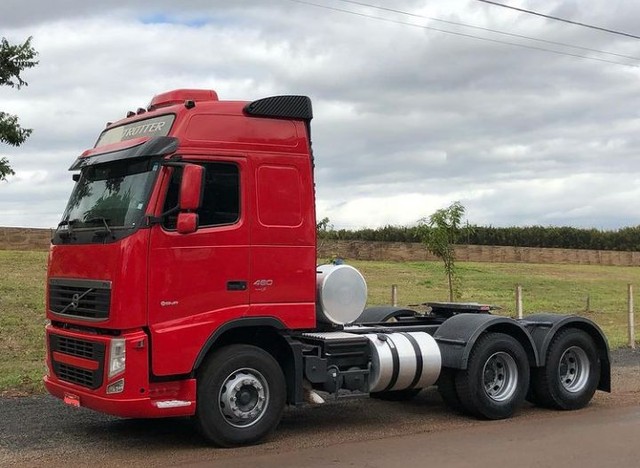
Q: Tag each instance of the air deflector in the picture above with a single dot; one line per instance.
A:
(281, 107)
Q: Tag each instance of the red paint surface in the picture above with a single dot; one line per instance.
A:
(124, 263)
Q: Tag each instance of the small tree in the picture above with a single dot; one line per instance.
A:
(323, 227)
(14, 59)
(440, 232)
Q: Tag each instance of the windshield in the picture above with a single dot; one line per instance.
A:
(112, 194)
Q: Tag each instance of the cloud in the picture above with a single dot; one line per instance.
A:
(407, 120)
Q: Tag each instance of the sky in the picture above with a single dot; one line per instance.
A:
(407, 118)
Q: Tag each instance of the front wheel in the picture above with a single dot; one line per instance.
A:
(496, 380)
(241, 395)
(571, 372)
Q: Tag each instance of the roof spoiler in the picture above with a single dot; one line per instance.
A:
(281, 107)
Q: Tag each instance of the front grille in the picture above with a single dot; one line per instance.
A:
(76, 375)
(75, 347)
(92, 350)
(86, 299)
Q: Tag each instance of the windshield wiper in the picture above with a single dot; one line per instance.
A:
(104, 221)
(68, 232)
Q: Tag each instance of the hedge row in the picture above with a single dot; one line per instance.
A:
(624, 239)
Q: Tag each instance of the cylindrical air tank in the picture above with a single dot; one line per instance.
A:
(341, 294)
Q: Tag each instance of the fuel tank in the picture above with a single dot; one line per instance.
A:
(400, 361)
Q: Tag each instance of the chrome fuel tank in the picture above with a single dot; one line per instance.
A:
(401, 361)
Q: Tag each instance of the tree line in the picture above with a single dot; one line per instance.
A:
(565, 237)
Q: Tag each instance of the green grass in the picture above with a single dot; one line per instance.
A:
(553, 288)
(22, 320)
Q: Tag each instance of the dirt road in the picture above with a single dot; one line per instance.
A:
(41, 431)
(594, 438)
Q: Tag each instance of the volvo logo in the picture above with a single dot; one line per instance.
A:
(75, 301)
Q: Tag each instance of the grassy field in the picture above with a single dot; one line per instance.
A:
(555, 288)
(546, 288)
(22, 280)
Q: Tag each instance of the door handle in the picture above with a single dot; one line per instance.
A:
(236, 285)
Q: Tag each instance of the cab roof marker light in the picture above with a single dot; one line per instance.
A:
(130, 114)
(141, 110)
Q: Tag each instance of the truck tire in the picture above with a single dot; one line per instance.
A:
(241, 395)
(496, 380)
(397, 395)
(571, 372)
(447, 389)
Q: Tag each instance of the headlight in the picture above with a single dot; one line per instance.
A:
(117, 357)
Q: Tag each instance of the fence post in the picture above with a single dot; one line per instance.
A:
(632, 331)
(519, 301)
(394, 295)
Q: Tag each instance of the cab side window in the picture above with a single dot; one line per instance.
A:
(221, 198)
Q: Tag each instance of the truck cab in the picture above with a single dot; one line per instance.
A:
(137, 270)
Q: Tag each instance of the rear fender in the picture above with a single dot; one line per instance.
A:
(458, 334)
(544, 327)
(376, 315)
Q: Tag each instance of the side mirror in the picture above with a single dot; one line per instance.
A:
(191, 187)
(187, 223)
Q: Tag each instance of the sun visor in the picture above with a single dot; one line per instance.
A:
(157, 146)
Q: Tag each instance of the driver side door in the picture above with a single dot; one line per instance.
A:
(198, 281)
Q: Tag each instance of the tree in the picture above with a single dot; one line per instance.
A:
(14, 59)
(323, 226)
(440, 232)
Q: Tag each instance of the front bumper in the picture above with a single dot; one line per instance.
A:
(142, 407)
(78, 373)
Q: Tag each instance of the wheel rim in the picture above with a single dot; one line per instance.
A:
(244, 397)
(574, 369)
(500, 376)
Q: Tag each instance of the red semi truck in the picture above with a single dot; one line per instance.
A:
(182, 281)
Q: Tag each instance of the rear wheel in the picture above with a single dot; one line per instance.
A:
(496, 380)
(571, 372)
(241, 395)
